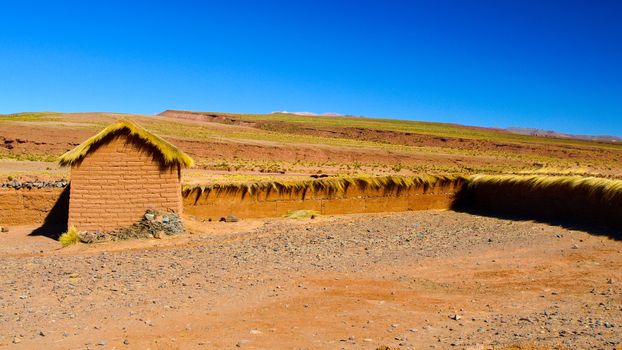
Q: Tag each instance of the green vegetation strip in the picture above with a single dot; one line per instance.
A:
(412, 126)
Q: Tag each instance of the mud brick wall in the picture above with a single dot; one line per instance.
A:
(214, 205)
(99, 206)
(578, 206)
(114, 185)
(24, 206)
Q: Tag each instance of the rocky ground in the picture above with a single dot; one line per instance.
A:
(418, 280)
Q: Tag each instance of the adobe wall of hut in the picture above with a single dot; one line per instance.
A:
(96, 196)
(114, 185)
(23, 207)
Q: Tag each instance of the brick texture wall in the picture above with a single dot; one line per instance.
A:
(262, 204)
(22, 207)
(114, 185)
(18, 207)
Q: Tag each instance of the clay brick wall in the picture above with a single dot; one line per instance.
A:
(134, 196)
(24, 206)
(214, 205)
(114, 185)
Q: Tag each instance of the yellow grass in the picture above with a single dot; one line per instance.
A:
(605, 189)
(302, 214)
(169, 153)
(70, 237)
(327, 185)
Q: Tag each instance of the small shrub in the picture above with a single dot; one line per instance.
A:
(302, 214)
(70, 237)
(397, 168)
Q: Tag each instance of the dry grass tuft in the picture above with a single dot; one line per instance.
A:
(70, 237)
(302, 214)
(169, 154)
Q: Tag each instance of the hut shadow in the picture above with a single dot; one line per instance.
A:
(55, 222)
(467, 203)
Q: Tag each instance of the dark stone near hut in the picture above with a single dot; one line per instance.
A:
(231, 218)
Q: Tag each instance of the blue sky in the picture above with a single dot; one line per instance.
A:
(544, 64)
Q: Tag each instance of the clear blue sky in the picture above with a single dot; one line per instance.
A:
(545, 64)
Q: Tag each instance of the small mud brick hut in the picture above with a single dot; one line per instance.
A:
(121, 172)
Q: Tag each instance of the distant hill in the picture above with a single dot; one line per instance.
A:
(552, 133)
(329, 114)
(302, 144)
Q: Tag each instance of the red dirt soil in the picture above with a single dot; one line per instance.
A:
(430, 153)
(409, 281)
(403, 138)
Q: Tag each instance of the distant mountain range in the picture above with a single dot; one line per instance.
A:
(551, 133)
(513, 130)
(310, 114)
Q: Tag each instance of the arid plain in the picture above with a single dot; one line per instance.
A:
(409, 280)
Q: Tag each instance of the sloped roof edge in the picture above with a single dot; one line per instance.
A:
(170, 154)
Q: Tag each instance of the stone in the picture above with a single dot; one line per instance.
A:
(126, 342)
(241, 343)
(93, 237)
(16, 340)
(231, 218)
(149, 216)
(455, 317)
(4, 229)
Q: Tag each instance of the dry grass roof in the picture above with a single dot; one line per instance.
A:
(605, 189)
(168, 154)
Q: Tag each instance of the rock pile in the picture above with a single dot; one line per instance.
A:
(15, 184)
(152, 225)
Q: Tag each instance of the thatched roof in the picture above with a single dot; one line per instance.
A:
(329, 185)
(168, 154)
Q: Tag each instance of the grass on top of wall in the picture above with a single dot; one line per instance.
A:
(331, 186)
(603, 189)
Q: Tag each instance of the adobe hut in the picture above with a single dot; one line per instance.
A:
(121, 172)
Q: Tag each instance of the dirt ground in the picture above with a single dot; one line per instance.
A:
(416, 280)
